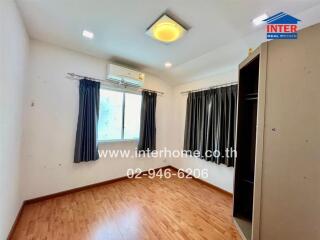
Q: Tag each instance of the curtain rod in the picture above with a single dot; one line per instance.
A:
(104, 81)
(212, 87)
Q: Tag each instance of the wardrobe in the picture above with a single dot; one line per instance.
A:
(277, 170)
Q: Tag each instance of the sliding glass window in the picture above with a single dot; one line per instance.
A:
(119, 116)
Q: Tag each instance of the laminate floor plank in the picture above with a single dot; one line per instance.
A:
(132, 209)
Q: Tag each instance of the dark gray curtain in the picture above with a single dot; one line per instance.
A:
(210, 123)
(147, 140)
(86, 148)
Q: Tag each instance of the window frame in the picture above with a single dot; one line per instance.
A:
(123, 115)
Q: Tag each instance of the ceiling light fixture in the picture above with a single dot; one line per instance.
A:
(259, 20)
(168, 64)
(166, 30)
(87, 34)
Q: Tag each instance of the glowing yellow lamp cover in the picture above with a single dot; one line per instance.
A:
(166, 30)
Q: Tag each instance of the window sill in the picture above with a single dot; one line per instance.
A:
(118, 141)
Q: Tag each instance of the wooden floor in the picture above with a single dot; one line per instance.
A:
(132, 209)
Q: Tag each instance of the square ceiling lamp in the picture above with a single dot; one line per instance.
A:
(166, 30)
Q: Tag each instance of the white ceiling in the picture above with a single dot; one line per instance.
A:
(220, 35)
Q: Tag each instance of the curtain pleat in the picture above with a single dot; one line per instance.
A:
(86, 148)
(147, 139)
(210, 124)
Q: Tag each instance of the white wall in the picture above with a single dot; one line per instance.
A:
(13, 61)
(50, 125)
(219, 175)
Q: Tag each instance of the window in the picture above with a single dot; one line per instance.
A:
(119, 116)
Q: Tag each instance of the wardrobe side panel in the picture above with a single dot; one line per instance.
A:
(291, 159)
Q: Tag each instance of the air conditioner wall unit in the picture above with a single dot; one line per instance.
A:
(125, 75)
